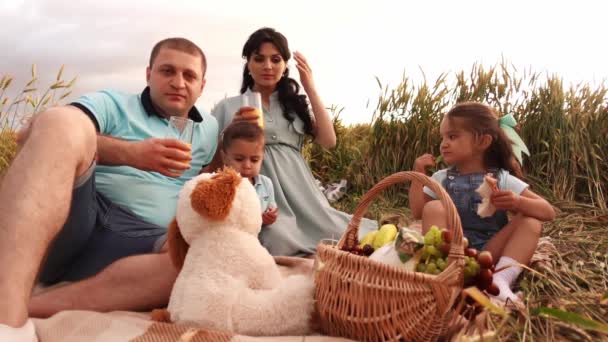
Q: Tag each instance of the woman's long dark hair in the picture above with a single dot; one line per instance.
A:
(288, 89)
(481, 119)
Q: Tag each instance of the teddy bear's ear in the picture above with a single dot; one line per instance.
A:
(178, 247)
(212, 198)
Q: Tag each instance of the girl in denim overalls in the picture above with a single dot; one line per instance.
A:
(473, 145)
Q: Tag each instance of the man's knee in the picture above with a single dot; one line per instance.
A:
(67, 128)
(67, 122)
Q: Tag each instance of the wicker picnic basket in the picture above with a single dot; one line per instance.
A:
(365, 300)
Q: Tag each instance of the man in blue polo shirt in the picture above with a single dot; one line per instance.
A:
(94, 187)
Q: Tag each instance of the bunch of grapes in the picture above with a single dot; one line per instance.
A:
(478, 269)
(435, 251)
(479, 272)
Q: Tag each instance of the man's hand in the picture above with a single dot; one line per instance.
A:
(270, 216)
(423, 162)
(505, 200)
(169, 157)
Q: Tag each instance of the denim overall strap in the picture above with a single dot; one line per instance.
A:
(461, 189)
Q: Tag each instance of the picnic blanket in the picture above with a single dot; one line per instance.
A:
(68, 326)
(78, 326)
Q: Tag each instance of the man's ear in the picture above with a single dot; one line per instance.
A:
(148, 71)
(203, 82)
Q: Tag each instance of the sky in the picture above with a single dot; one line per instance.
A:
(106, 44)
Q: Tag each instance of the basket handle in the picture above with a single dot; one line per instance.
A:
(349, 238)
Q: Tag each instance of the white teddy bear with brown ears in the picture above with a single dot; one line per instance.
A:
(228, 280)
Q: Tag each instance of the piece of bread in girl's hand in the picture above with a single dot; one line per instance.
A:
(485, 190)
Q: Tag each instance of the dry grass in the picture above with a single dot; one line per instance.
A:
(29, 101)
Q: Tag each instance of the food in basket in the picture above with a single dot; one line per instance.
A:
(435, 251)
(368, 239)
(368, 250)
(386, 234)
(485, 259)
(404, 252)
(478, 268)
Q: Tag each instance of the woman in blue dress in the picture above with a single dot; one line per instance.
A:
(304, 214)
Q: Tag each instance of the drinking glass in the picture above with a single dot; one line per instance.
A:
(253, 102)
(181, 129)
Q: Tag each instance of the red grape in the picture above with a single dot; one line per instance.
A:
(368, 250)
(446, 236)
(485, 259)
(493, 290)
(470, 252)
(445, 248)
(484, 279)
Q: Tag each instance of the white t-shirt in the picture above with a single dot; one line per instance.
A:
(506, 182)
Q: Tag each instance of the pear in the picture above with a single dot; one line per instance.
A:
(386, 234)
(368, 239)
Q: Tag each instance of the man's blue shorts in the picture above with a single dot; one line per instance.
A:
(96, 233)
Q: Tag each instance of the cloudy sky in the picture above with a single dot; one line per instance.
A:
(348, 43)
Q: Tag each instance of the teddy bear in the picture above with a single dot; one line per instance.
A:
(228, 280)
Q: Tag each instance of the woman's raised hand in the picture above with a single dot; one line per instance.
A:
(305, 72)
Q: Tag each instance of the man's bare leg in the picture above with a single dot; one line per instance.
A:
(140, 282)
(35, 198)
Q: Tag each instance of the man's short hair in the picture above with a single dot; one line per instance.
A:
(180, 44)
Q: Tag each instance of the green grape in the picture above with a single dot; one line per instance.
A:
(438, 240)
(431, 267)
(429, 239)
(436, 271)
(436, 232)
(441, 263)
(469, 271)
(425, 254)
(474, 266)
(433, 251)
(421, 267)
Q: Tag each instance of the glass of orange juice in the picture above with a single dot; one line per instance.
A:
(251, 104)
